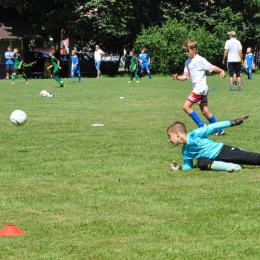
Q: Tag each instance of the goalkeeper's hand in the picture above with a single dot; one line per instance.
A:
(174, 166)
(238, 121)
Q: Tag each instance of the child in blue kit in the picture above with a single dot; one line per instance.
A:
(145, 60)
(210, 155)
(75, 67)
(195, 69)
(249, 62)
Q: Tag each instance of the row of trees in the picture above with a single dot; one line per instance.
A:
(161, 26)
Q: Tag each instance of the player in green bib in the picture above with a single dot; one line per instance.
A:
(134, 67)
(56, 68)
(18, 67)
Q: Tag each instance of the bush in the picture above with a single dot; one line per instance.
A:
(165, 43)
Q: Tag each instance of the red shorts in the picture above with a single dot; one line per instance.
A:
(197, 99)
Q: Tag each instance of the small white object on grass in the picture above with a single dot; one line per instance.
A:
(121, 97)
(97, 125)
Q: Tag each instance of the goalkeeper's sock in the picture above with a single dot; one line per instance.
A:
(223, 166)
(25, 77)
(196, 118)
(14, 78)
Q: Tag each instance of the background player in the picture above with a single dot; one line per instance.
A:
(145, 60)
(56, 68)
(18, 66)
(75, 67)
(134, 67)
(249, 62)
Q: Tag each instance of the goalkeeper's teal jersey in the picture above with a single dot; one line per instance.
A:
(199, 145)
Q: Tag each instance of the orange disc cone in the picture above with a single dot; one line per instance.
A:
(11, 230)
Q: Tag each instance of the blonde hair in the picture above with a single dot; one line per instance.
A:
(190, 44)
(177, 126)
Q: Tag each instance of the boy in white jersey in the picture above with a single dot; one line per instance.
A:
(210, 155)
(195, 69)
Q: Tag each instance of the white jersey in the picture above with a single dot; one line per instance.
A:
(233, 46)
(98, 55)
(195, 69)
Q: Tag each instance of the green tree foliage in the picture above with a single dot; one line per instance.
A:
(116, 24)
(165, 44)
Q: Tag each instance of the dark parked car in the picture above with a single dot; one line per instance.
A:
(87, 64)
(38, 68)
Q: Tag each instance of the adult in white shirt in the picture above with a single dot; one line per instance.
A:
(98, 58)
(233, 51)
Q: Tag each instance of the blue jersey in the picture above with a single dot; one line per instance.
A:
(144, 57)
(199, 145)
(74, 61)
(249, 61)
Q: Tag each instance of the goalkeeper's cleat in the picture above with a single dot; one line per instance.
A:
(234, 168)
(62, 85)
(130, 81)
(220, 133)
(137, 81)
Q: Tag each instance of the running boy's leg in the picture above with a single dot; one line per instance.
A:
(56, 77)
(22, 72)
(192, 113)
(205, 112)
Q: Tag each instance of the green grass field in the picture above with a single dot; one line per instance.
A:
(83, 192)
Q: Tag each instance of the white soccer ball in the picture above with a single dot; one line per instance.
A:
(44, 93)
(18, 118)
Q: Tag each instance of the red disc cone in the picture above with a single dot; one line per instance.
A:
(11, 230)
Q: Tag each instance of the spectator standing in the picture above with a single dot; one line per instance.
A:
(232, 51)
(127, 59)
(9, 56)
(98, 58)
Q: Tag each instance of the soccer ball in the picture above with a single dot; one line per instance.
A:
(18, 118)
(44, 93)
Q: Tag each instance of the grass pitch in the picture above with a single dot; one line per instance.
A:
(83, 192)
